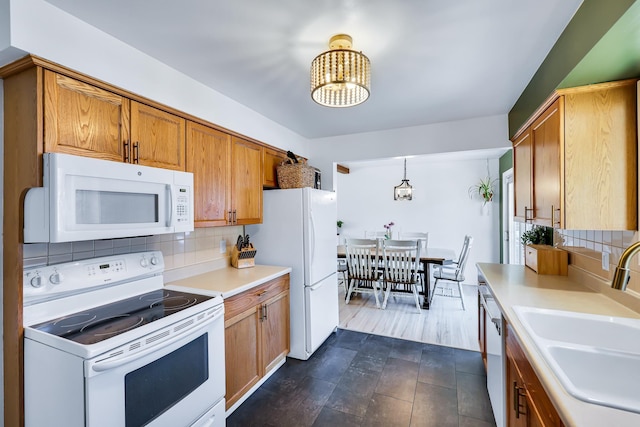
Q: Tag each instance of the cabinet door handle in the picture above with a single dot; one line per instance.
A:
(526, 217)
(266, 309)
(136, 150)
(229, 218)
(235, 219)
(516, 400)
(126, 151)
(553, 216)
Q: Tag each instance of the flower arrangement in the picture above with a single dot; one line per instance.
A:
(388, 228)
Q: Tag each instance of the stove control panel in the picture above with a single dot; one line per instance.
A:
(59, 280)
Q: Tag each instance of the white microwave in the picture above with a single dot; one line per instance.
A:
(85, 199)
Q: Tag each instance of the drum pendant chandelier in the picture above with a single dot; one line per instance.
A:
(340, 77)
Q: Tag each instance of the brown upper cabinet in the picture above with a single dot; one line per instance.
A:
(85, 120)
(271, 159)
(545, 135)
(227, 176)
(157, 137)
(246, 182)
(522, 156)
(67, 112)
(575, 160)
(209, 159)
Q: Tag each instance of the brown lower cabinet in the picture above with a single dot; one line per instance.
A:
(256, 335)
(527, 402)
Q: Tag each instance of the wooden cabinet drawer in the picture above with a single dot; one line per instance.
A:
(544, 259)
(254, 296)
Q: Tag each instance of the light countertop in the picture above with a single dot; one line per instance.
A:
(229, 280)
(514, 285)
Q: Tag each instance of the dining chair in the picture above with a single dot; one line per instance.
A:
(453, 272)
(375, 235)
(342, 274)
(401, 262)
(363, 271)
(415, 235)
(424, 240)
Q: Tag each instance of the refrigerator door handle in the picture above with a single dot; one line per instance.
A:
(316, 286)
(312, 236)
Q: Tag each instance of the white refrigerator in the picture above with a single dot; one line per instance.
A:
(299, 231)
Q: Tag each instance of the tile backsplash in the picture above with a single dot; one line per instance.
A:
(585, 249)
(178, 249)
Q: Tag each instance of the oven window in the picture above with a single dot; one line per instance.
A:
(156, 387)
(112, 207)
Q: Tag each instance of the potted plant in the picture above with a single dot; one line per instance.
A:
(538, 235)
(339, 224)
(484, 189)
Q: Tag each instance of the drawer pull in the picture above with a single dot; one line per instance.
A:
(517, 406)
(259, 294)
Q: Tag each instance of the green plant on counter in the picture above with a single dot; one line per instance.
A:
(538, 235)
(340, 223)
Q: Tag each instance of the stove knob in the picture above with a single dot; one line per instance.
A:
(154, 260)
(36, 281)
(56, 278)
(144, 262)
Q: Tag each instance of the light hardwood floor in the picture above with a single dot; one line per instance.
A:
(445, 323)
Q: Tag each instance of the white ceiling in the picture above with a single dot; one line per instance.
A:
(432, 60)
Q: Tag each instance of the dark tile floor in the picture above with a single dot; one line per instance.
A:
(358, 379)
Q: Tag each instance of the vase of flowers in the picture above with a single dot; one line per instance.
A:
(339, 226)
(388, 232)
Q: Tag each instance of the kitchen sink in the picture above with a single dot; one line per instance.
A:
(596, 358)
(615, 333)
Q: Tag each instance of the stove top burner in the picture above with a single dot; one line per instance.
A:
(106, 321)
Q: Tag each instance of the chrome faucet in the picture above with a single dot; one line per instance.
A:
(621, 276)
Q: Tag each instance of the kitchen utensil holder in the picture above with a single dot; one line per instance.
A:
(244, 257)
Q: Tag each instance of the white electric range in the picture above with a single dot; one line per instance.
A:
(106, 344)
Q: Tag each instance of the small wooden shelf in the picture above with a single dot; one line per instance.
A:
(545, 259)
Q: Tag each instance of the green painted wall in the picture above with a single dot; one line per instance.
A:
(615, 57)
(505, 163)
(599, 44)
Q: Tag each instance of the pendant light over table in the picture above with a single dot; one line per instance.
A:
(404, 191)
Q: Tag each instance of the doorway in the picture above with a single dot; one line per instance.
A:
(510, 252)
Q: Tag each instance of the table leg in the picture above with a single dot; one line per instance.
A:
(426, 285)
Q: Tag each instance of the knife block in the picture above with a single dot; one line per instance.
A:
(244, 257)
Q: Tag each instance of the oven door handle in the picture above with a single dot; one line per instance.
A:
(123, 360)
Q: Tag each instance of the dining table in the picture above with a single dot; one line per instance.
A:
(428, 256)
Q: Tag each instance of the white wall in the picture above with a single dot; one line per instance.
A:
(462, 135)
(39, 28)
(440, 205)
(1, 252)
